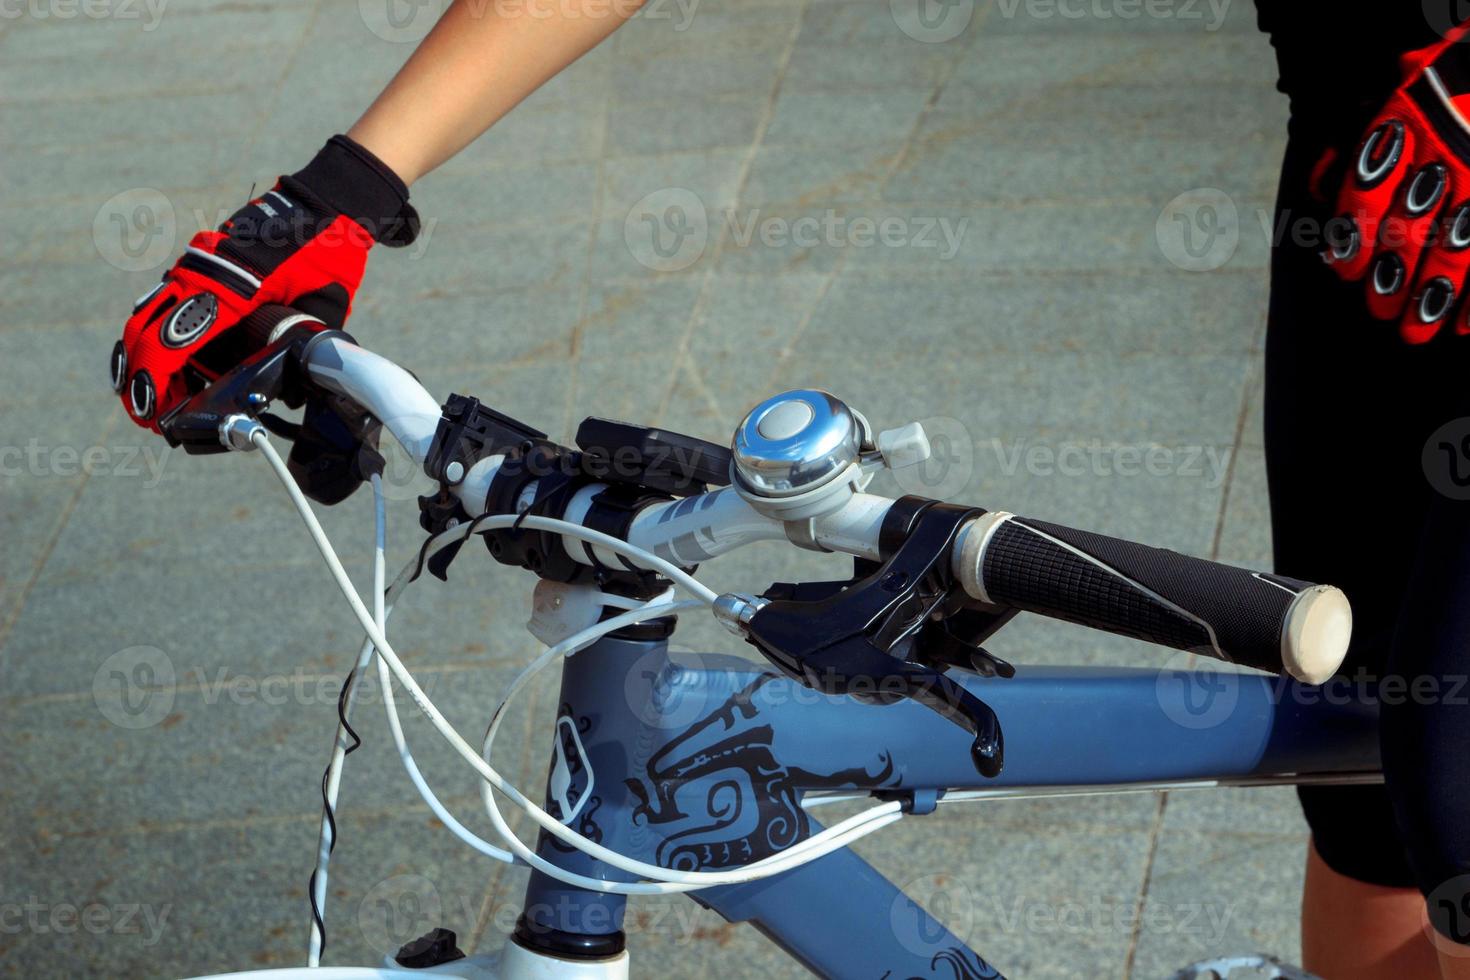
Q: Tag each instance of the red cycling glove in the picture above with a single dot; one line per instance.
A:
(302, 244)
(1405, 202)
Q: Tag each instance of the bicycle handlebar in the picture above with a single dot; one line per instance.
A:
(1260, 620)
(1256, 619)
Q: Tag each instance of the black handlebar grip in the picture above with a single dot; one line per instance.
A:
(266, 323)
(1257, 619)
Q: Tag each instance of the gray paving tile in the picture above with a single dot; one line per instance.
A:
(138, 71)
(1164, 312)
(1119, 398)
(1103, 235)
(57, 356)
(846, 118)
(1011, 168)
(711, 175)
(820, 176)
(198, 900)
(1221, 893)
(673, 27)
(448, 330)
(28, 523)
(675, 125)
(858, 23)
(130, 31)
(34, 173)
(241, 740)
(752, 317)
(791, 239)
(549, 133)
(539, 254)
(637, 320)
(1245, 535)
(628, 388)
(1269, 812)
(695, 73)
(83, 292)
(536, 392)
(1059, 60)
(1179, 111)
(849, 63)
(1034, 905)
(167, 118)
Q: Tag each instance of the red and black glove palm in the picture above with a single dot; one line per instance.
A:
(302, 244)
(1405, 202)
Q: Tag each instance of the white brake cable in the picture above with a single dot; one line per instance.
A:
(565, 648)
(819, 844)
(327, 835)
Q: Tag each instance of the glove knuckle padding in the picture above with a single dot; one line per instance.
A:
(1374, 176)
(1402, 237)
(1440, 282)
(1404, 197)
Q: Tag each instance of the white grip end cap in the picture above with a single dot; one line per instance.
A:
(1314, 639)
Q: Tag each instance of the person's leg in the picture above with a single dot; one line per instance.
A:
(1352, 930)
(1426, 718)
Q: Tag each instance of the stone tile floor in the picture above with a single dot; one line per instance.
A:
(1042, 286)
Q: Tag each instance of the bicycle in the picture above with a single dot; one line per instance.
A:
(669, 777)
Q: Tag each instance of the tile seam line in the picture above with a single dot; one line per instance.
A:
(13, 615)
(682, 361)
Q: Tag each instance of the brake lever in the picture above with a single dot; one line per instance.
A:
(274, 371)
(869, 640)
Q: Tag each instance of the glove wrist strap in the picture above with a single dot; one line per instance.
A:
(349, 179)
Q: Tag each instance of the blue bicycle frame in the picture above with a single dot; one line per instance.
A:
(702, 762)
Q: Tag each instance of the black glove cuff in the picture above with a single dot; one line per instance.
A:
(347, 178)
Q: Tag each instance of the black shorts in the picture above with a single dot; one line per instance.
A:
(1367, 494)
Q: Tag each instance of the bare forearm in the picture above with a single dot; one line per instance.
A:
(479, 61)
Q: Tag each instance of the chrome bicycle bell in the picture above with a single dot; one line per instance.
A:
(797, 454)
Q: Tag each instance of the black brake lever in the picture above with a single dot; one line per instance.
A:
(866, 640)
(274, 371)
